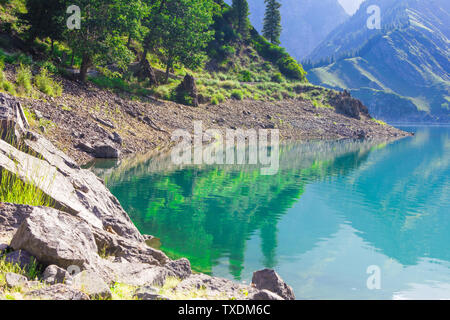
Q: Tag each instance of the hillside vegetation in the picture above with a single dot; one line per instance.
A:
(227, 63)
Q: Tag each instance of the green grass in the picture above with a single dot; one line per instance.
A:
(13, 190)
(47, 85)
(24, 80)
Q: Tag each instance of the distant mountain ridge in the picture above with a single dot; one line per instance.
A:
(402, 72)
(305, 22)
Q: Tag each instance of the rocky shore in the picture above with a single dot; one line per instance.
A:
(87, 122)
(85, 246)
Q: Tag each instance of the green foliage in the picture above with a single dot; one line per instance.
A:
(245, 76)
(24, 80)
(277, 77)
(240, 17)
(272, 21)
(47, 85)
(217, 98)
(237, 94)
(46, 18)
(277, 55)
(181, 29)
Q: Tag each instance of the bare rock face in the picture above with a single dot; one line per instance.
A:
(181, 268)
(268, 279)
(55, 237)
(57, 292)
(13, 122)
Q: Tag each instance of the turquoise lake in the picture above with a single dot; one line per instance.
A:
(333, 210)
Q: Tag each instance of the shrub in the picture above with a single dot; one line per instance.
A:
(245, 76)
(24, 81)
(217, 98)
(237, 94)
(277, 77)
(8, 87)
(46, 84)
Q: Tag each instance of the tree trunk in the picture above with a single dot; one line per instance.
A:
(72, 61)
(85, 64)
(53, 46)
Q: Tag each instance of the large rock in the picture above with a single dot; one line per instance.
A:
(106, 151)
(149, 293)
(54, 274)
(188, 88)
(131, 251)
(345, 104)
(181, 268)
(92, 284)
(13, 122)
(270, 280)
(11, 217)
(55, 237)
(15, 280)
(264, 295)
(73, 190)
(135, 274)
(57, 292)
(216, 288)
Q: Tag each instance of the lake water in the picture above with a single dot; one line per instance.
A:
(333, 210)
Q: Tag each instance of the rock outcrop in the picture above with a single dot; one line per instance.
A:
(85, 241)
(268, 279)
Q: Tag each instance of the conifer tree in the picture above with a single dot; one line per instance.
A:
(241, 13)
(272, 21)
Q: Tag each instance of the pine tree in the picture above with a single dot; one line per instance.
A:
(241, 13)
(272, 21)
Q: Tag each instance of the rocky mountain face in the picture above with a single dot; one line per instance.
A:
(401, 72)
(305, 22)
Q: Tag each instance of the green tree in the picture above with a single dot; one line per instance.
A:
(272, 21)
(46, 19)
(241, 13)
(102, 35)
(180, 31)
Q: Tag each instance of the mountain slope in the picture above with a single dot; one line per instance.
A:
(400, 72)
(305, 22)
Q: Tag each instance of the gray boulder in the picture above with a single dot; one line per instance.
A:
(135, 274)
(14, 280)
(270, 280)
(106, 151)
(149, 293)
(55, 237)
(92, 284)
(57, 292)
(264, 295)
(180, 269)
(54, 274)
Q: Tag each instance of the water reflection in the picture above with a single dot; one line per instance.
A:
(333, 209)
